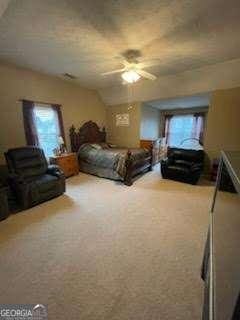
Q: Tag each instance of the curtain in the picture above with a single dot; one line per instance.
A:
(29, 123)
(57, 108)
(166, 127)
(198, 127)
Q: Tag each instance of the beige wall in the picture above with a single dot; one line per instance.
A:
(150, 123)
(222, 129)
(223, 124)
(126, 136)
(78, 104)
(144, 124)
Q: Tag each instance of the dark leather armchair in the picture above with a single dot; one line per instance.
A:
(31, 178)
(183, 165)
(4, 210)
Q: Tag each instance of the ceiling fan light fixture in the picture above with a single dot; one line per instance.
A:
(130, 76)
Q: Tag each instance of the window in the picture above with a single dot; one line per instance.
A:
(182, 130)
(47, 126)
(43, 125)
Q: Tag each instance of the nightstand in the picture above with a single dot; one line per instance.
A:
(67, 162)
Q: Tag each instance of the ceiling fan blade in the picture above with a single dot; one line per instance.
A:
(149, 63)
(113, 72)
(146, 74)
(126, 63)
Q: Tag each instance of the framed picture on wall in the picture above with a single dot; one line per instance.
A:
(122, 119)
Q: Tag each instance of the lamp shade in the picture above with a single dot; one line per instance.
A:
(130, 76)
(60, 140)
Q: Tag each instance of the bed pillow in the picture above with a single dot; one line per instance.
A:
(110, 145)
(96, 146)
(104, 145)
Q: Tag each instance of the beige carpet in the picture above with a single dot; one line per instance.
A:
(107, 251)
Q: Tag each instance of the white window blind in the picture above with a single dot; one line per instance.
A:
(180, 128)
(47, 125)
(184, 130)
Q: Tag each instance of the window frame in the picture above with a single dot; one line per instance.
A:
(29, 121)
(169, 116)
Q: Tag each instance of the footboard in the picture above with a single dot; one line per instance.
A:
(135, 167)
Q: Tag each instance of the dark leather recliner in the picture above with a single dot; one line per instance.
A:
(31, 178)
(183, 165)
(4, 210)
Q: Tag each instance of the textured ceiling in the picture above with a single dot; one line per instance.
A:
(3, 6)
(86, 37)
(201, 100)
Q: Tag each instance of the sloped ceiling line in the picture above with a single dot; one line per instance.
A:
(3, 6)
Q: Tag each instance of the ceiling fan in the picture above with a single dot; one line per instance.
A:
(132, 69)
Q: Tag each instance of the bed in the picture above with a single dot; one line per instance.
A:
(99, 158)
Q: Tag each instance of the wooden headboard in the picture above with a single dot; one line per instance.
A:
(89, 132)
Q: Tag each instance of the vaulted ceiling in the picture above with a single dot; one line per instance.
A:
(197, 101)
(87, 37)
